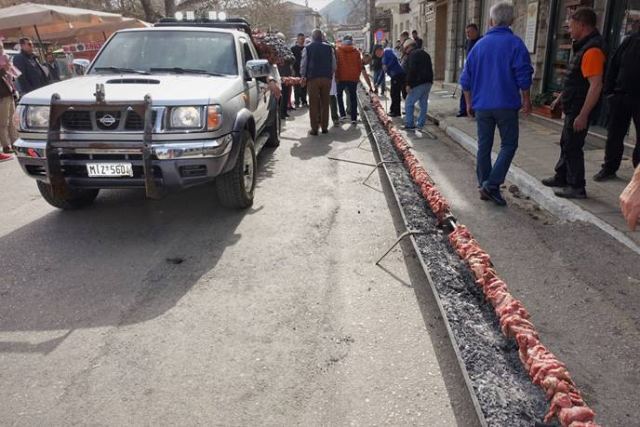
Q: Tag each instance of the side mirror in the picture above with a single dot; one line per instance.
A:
(258, 68)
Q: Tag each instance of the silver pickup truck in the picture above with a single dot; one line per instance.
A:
(170, 106)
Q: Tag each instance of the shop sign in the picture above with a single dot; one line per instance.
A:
(82, 47)
(532, 27)
(430, 12)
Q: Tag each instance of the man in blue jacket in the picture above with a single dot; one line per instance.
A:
(392, 67)
(496, 80)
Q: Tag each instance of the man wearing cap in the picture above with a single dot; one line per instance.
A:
(317, 67)
(418, 83)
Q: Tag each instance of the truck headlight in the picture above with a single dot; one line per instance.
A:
(37, 117)
(186, 118)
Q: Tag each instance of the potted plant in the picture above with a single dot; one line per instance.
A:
(542, 105)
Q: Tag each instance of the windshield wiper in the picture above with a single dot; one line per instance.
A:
(122, 70)
(180, 70)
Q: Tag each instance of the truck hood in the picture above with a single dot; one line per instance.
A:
(184, 89)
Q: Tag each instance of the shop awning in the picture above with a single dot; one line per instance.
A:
(94, 33)
(33, 20)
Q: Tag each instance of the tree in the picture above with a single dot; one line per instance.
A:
(358, 12)
(263, 14)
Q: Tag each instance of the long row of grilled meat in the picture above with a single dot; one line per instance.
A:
(543, 367)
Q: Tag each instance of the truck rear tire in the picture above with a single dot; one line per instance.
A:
(236, 188)
(77, 198)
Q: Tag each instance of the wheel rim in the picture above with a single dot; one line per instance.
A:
(248, 170)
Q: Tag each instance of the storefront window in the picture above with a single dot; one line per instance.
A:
(631, 20)
(561, 43)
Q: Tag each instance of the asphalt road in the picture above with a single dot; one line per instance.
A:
(180, 312)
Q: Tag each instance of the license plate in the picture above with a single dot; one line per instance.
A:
(109, 169)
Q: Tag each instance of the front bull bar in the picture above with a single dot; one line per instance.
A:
(58, 183)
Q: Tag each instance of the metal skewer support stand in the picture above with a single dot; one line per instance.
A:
(398, 240)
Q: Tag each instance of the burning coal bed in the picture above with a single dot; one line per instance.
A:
(505, 394)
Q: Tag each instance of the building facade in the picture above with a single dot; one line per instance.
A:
(541, 24)
(303, 19)
(360, 37)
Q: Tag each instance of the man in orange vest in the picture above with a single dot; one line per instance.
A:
(349, 67)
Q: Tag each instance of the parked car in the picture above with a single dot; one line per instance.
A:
(166, 107)
(80, 66)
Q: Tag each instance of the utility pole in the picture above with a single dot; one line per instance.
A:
(372, 20)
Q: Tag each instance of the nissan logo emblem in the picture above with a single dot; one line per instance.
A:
(107, 120)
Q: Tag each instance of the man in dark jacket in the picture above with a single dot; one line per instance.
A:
(300, 93)
(418, 83)
(417, 39)
(53, 68)
(581, 91)
(285, 70)
(473, 35)
(317, 67)
(33, 75)
(379, 77)
(622, 88)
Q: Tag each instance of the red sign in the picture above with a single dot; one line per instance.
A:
(82, 47)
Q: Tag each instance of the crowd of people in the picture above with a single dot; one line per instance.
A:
(496, 81)
(330, 72)
(24, 74)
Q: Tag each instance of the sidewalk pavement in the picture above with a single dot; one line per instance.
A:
(535, 159)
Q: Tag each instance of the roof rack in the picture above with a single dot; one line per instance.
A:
(230, 23)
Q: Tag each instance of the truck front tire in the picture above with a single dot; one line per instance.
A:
(76, 199)
(236, 188)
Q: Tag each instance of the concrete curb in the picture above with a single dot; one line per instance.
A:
(561, 208)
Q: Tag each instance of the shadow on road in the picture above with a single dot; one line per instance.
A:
(122, 261)
(318, 146)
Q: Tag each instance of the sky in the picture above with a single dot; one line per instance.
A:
(314, 4)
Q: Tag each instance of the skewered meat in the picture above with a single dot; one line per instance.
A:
(583, 424)
(291, 81)
(542, 366)
(559, 401)
(576, 413)
(553, 385)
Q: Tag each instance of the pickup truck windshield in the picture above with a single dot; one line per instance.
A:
(162, 51)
